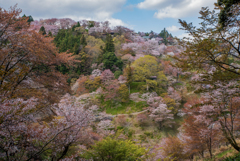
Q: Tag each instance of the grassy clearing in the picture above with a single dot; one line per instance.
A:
(124, 107)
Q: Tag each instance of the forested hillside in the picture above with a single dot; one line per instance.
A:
(87, 91)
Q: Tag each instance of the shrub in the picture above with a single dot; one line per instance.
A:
(117, 74)
(115, 149)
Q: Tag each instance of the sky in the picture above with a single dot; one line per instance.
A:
(139, 15)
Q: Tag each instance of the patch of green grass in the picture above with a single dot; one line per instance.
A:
(233, 158)
(136, 86)
(124, 107)
(220, 155)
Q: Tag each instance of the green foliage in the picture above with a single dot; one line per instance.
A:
(144, 68)
(124, 107)
(90, 24)
(112, 148)
(130, 133)
(110, 60)
(42, 30)
(50, 34)
(221, 155)
(150, 85)
(83, 40)
(92, 85)
(148, 134)
(62, 68)
(128, 72)
(123, 93)
(165, 34)
(117, 74)
(42, 68)
(109, 46)
(225, 14)
(30, 19)
(69, 40)
(162, 79)
(234, 158)
(136, 86)
(171, 104)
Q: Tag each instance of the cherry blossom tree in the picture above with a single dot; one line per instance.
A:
(107, 76)
(219, 107)
(222, 102)
(105, 127)
(172, 93)
(24, 138)
(111, 91)
(162, 116)
(150, 47)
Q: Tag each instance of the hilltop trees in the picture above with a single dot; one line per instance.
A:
(165, 34)
(30, 19)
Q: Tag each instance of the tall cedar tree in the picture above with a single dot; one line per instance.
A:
(42, 31)
(83, 41)
(109, 47)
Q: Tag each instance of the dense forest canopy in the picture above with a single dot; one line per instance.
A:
(87, 91)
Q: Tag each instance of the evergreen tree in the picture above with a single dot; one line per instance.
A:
(83, 41)
(70, 43)
(30, 19)
(78, 24)
(100, 56)
(50, 34)
(165, 34)
(110, 60)
(63, 45)
(225, 13)
(109, 46)
(76, 48)
(42, 31)
(90, 24)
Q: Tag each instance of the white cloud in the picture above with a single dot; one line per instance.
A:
(173, 28)
(116, 22)
(98, 10)
(184, 35)
(175, 8)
